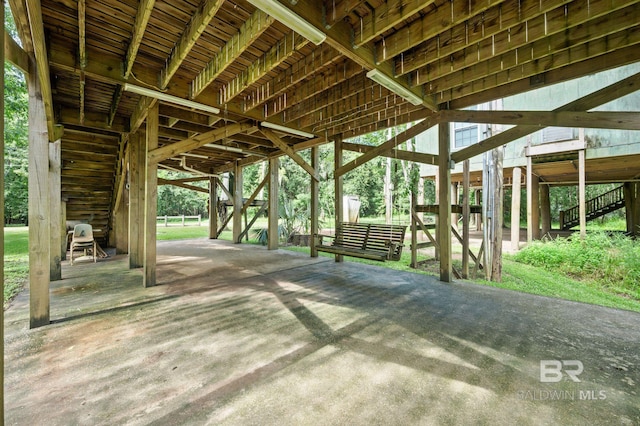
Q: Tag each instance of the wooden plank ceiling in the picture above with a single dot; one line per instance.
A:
(236, 57)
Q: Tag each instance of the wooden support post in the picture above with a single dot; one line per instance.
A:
(122, 224)
(274, 212)
(498, 213)
(533, 206)
(454, 200)
(632, 207)
(436, 249)
(2, 218)
(339, 202)
(582, 198)
(63, 230)
(414, 231)
(213, 208)
(55, 199)
(444, 203)
(466, 218)
(39, 219)
(545, 210)
(136, 198)
(315, 199)
(151, 197)
(515, 209)
(237, 203)
(478, 200)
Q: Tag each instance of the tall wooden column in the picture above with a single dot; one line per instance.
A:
(151, 198)
(515, 209)
(237, 203)
(2, 218)
(533, 203)
(339, 201)
(121, 224)
(545, 210)
(55, 201)
(136, 198)
(632, 207)
(582, 198)
(444, 203)
(466, 217)
(63, 229)
(315, 195)
(213, 207)
(39, 219)
(274, 212)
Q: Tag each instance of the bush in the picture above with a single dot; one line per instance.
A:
(611, 262)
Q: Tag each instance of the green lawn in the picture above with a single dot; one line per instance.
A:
(516, 276)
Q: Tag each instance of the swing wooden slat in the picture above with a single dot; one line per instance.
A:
(364, 240)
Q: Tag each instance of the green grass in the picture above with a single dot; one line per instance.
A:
(16, 260)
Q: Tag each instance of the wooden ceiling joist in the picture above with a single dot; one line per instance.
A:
(196, 26)
(250, 30)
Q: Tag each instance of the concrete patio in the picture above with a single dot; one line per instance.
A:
(236, 334)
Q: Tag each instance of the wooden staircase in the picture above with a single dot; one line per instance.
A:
(596, 207)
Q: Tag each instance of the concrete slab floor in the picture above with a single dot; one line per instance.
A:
(241, 335)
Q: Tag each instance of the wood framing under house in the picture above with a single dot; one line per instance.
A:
(211, 86)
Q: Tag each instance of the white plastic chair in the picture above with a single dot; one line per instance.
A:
(83, 239)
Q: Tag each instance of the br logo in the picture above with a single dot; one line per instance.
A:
(551, 370)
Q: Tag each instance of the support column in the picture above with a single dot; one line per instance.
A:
(274, 211)
(121, 224)
(63, 230)
(545, 210)
(454, 200)
(478, 198)
(466, 218)
(39, 219)
(237, 203)
(498, 213)
(582, 198)
(632, 206)
(339, 201)
(136, 198)
(315, 195)
(533, 206)
(2, 218)
(213, 208)
(515, 209)
(151, 198)
(55, 200)
(444, 203)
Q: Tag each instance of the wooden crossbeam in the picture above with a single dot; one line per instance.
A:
(196, 26)
(386, 146)
(250, 30)
(424, 229)
(592, 100)
(338, 10)
(225, 190)
(182, 185)
(15, 54)
(590, 120)
(255, 193)
(290, 152)
(416, 157)
(260, 211)
(186, 145)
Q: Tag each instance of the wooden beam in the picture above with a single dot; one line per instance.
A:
(55, 201)
(386, 146)
(444, 203)
(338, 156)
(151, 199)
(339, 37)
(274, 210)
(254, 195)
(237, 203)
(555, 148)
(592, 100)
(315, 200)
(136, 198)
(440, 19)
(196, 26)
(290, 152)
(515, 208)
(416, 157)
(338, 10)
(591, 120)
(171, 150)
(82, 52)
(162, 181)
(386, 16)
(213, 207)
(39, 220)
(248, 33)
(42, 67)
(15, 54)
(3, 35)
